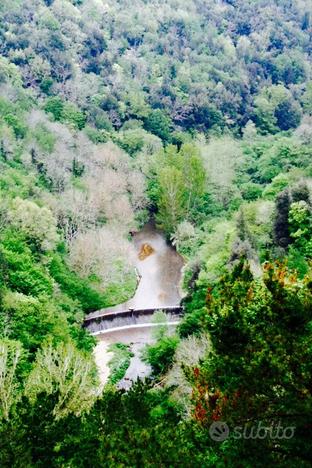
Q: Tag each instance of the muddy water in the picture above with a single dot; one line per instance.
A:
(160, 271)
(159, 286)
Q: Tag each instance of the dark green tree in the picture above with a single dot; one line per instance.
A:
(159, 123)
(281, 224)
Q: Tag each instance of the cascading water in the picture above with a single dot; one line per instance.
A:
(159, 267)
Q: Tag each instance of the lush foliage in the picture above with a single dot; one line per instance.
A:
(120, 361)
(166, 66)
(199, 115)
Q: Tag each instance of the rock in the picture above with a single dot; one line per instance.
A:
(146, 251)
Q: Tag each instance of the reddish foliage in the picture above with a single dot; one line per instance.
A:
(210, 405)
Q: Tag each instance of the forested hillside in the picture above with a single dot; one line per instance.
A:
(197, 115)
(164, 65)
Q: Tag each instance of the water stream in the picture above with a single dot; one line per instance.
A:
(159, 286)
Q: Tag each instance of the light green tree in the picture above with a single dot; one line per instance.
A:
(275, 109)
(300, 223)
(181, 181)
(10, 353)
(307, 98)
(66, 372)
(37, 223)
(193, 173)
(7, 142)
(172, 196)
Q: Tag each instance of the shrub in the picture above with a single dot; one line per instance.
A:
(21, 272)
(160, 354)
(75, 287)
(120, 361)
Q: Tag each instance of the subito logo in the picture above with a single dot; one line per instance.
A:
(219, 431)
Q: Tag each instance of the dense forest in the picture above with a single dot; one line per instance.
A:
(198, 115)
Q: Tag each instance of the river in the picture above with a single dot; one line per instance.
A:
(159, 267)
